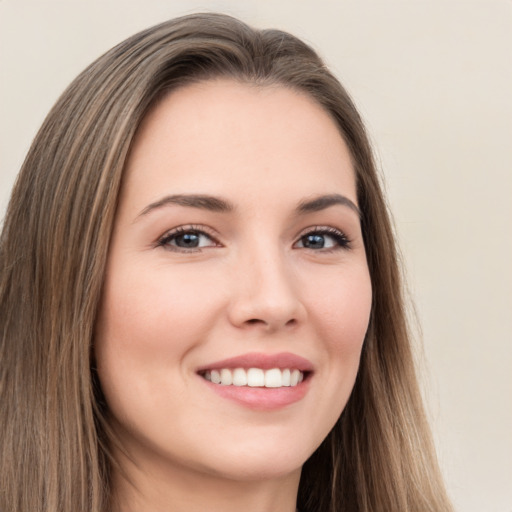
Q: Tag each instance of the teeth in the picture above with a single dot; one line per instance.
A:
(239, 377)
(215, 376)
(255, 377)
(273, 378)
(226, 379)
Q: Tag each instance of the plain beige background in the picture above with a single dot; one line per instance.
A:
(433, 80)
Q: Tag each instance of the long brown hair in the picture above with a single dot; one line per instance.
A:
(54, 444)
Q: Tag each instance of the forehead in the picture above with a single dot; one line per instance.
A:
(224, 136)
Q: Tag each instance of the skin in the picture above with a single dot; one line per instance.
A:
(253, 285)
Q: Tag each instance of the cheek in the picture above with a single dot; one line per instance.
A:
(149, 309)
(341, 316)
(343, 309)
(149, 320)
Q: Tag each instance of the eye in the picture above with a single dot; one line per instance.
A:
(187, 239)
(323, 238)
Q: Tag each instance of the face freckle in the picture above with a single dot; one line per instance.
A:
(237, 244)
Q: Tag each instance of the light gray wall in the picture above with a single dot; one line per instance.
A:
(433, 80)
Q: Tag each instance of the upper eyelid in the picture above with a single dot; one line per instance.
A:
(210, 233)
(184, 228)
(344, 241)
(321, 228)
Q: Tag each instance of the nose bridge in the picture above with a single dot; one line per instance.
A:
(264, 288)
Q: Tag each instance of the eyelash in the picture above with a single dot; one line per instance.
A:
(340, 239)
(184, 230)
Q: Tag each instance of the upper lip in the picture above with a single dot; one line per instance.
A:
(264, 361)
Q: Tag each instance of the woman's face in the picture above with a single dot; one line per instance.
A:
(237, 254)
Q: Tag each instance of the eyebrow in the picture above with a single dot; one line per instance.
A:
(322, 202)
(204, 202)
(217, 204)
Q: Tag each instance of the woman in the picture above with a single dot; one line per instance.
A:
(200, 298)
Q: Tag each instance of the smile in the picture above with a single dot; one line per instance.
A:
(255, 377)
(259, 381)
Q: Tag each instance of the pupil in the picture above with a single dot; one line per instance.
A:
(314, 241)
(188, 240)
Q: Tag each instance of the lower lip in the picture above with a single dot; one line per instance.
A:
(265, 399)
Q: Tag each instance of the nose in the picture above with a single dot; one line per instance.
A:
(266, 294)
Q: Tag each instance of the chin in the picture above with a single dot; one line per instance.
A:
(248, 470)
(274, 458)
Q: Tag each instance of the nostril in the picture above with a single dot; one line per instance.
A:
(254, 321)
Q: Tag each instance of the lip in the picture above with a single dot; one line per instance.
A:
(281, 360)
(262, 399)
